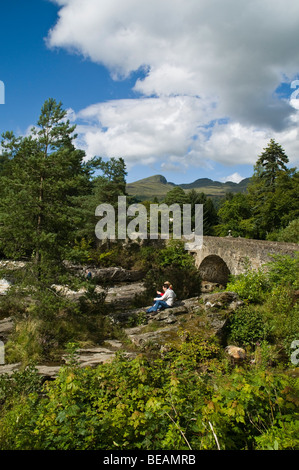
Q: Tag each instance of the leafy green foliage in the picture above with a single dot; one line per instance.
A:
(174, 254)
(254, 284)
(47, 173)
(178, 196)
(288, 234)
(270, 204)
(154, 405)
(175, 265)
(247, 327)
(232, 213)
(19, 383)
(251, 285)
(271, 313)
(284, 271)
(105, 187)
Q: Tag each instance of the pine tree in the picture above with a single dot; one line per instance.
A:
(272, 191)
(271, 162)
(41, 177)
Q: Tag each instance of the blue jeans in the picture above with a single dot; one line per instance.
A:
(158, 305)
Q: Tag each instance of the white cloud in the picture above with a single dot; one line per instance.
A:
(234, 178)
(232, 54)
(175, 132)
(149, 129)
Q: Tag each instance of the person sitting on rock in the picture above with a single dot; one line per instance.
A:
(164, 301)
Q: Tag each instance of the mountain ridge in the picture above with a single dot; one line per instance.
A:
(158, 186)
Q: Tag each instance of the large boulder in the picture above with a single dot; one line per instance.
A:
(121, 295)
(221, 300)
(160, 328)
(235, 353)
(167, 315)
(157, 338)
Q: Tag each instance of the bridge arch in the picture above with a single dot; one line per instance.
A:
(214, 269)
(221, 256)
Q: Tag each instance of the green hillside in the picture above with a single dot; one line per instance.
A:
(158, 186)
(148, 188)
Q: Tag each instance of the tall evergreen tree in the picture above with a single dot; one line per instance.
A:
(41, 177)
(271, 162)
(272, 192)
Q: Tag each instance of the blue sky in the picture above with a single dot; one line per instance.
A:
(185, 89)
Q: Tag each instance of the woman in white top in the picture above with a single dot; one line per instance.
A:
(166, 299)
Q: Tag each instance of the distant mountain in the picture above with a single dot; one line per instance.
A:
(148, 188)
(158, 186)
(201, 183)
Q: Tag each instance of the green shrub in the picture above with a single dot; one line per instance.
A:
(254, 286)
(81, 251)
(247, 326)
(284, 270)
(174, 254)
(281, 313)
(276, 318)
(247, 407)
(164, 404)
(288, 234)
(19, 383)
(251, 286)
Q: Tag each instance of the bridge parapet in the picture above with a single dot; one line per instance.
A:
(221, 256)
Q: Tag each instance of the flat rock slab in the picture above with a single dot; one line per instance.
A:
(168, 315)
(121, 295)
(89, 357)
(11, 265)
(9, 368)
(6, 327)
(157, 337)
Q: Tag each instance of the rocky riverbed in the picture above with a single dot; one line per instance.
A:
(206, 313)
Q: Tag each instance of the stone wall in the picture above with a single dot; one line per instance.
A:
(221, 256)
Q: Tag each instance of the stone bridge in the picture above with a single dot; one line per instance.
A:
(221, 256)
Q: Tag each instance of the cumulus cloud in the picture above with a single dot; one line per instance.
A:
(234, 178)
(176, 132)
(210, 67)
(148, 129)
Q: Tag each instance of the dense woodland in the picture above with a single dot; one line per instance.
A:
(189, 397)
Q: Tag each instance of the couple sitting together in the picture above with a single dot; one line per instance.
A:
(165, 300)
